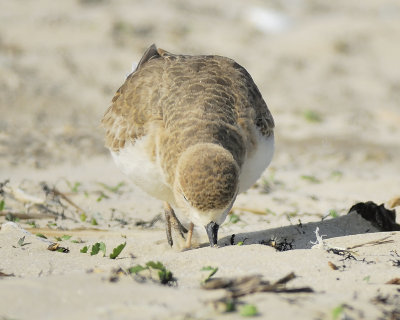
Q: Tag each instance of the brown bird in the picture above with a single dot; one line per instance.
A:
(192, 131)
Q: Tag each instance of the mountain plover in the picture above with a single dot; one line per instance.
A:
(192, 131)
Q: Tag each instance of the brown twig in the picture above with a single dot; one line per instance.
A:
(372, 243)
(63, 196)
(24, 216)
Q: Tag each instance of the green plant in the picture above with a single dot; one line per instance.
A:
(333, 213)
(102, 196)
(97, 247)
(117, 251)
(11, 217)
(248, 310)
(21, 242)
(312, 116)
(83, 217)
(337, 312)
(234, 218)
(114, 189)
(32, 224)
(310, 178)
(213, 270)
(64, 237)
(74, 187)
(165, 276)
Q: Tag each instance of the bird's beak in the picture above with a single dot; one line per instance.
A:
(212, 232)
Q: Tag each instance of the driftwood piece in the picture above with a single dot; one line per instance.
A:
(242, 286)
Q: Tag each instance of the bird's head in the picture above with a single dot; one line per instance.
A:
(206, 186)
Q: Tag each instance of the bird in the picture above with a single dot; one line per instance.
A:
(192, 131)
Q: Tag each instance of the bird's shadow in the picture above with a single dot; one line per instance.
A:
(362, 218)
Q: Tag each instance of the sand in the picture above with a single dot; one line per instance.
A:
(328, 74)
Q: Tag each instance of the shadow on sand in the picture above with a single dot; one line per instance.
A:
(362, 218)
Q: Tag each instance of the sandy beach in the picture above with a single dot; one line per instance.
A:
(290, 249)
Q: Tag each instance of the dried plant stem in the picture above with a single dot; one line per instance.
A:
(255, 211)
(62, 195)
(24, 216)
(372, 243)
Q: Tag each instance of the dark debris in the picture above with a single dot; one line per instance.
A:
(378, 215)
(284, 245)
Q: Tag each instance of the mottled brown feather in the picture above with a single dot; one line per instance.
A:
(191, 99)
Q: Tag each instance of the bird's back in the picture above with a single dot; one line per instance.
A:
(188, 100)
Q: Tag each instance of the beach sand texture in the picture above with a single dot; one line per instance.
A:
(329, 75)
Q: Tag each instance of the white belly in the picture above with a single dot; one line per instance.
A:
(255, 165)
(134, 161)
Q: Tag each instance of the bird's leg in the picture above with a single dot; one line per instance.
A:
(189, 236)
(171, 219)
(168, 223)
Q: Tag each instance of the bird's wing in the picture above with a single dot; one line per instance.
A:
(250, 98)
(135, 104)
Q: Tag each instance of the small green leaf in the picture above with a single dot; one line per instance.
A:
(248, 310)
(66, 237)
(84, 249)
(93, 222)
(333, 213)
(234, 218)
(62, 249)
(113, 189)
(312, 116)
(40, 235)
(2, 205)
(74, 187)
(230, 306)
(310, 178)
(337, 312)
(117, 250)
(32, 223)
(95, 249)
(21, 241)
(103, 248)
(213, 270)
(165, 276)
(240, 243)
(11, 217)
(155, 265)
(58, 238)
(83, 217)
(136, 269)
